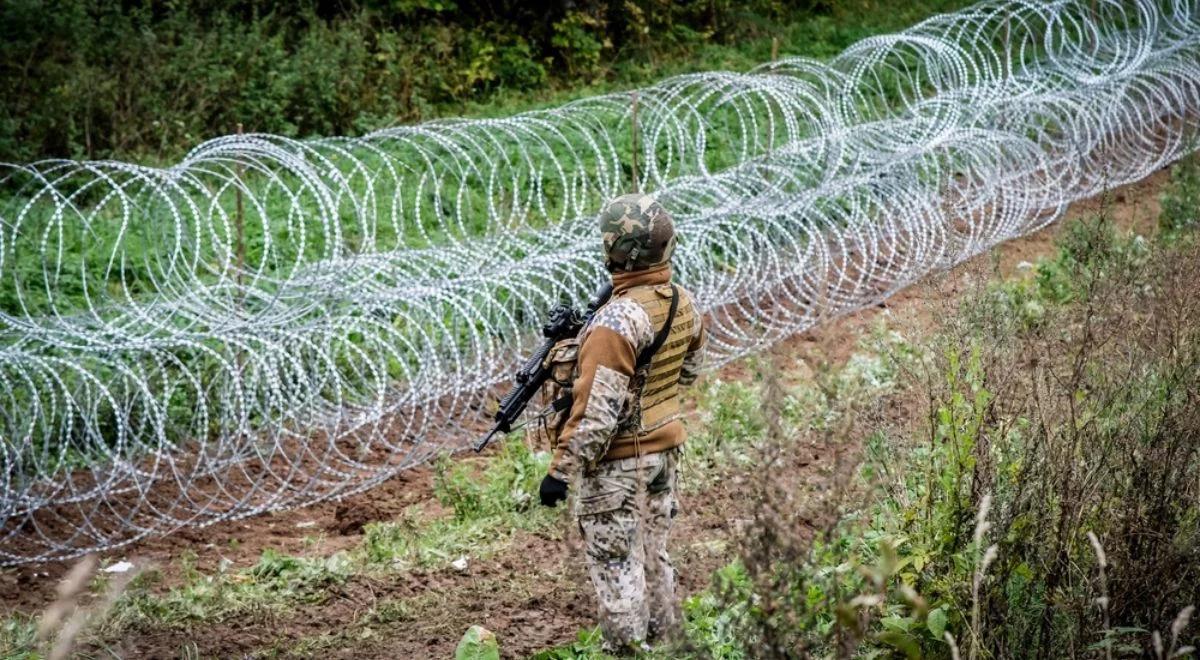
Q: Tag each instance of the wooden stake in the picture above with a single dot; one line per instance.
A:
(770, 126)
(633, 129)
(240, 219)
(240, 224)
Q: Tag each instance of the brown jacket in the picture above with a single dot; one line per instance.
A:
(602, 390)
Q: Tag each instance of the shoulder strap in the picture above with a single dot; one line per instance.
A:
(647, 354)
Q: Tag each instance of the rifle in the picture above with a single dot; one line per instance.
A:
(564, 322)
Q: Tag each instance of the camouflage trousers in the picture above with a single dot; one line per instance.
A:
(624, 510)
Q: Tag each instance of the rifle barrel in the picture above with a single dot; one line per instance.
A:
(483, 442)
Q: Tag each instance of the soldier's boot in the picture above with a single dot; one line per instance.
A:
(629, 650)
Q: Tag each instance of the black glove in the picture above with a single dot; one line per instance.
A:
(552, 491)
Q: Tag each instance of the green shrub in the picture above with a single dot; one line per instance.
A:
(506, 484)
(709, 625)
(1181, 199)
(579, 39)
(587, 645)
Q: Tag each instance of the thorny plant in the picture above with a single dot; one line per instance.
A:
(1081, 419)
(1087, 423)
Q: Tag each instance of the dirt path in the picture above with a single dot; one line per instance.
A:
(533, 594)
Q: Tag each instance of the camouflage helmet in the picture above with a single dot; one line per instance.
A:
(638, 233)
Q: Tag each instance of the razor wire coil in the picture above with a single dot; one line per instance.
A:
(275, 322)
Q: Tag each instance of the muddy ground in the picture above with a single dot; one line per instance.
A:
(534, 593)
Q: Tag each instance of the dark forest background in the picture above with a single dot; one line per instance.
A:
(148, 80)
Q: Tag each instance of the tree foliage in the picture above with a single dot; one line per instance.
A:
(98, 78)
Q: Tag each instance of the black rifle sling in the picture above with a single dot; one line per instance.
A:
(648, 354)
(564, 402)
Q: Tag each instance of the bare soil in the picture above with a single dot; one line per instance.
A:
(534, 593)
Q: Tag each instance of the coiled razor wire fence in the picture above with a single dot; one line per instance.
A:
(273, 322)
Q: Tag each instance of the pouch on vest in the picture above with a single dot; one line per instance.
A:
(556, 395)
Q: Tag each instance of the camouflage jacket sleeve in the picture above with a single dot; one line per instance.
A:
(606, 362)
(693, 361)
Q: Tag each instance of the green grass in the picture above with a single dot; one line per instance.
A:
(275, 584)
(732, 417)
(818, 36)
(729, 420)
(18, 638)
(486, 502)
(483, 511)
(1181, 200)
(727, 438)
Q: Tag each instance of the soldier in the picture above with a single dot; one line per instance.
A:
(622, 440)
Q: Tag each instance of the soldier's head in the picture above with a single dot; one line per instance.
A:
(638, 233)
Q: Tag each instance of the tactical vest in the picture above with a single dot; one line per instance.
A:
(654, 389)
